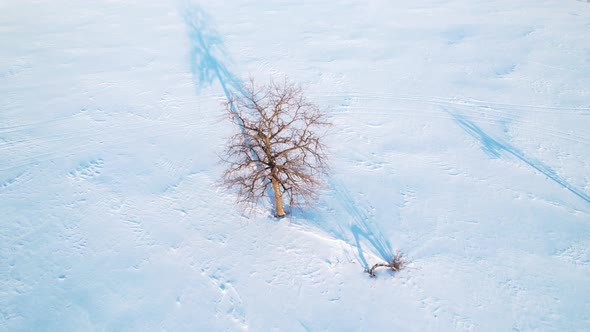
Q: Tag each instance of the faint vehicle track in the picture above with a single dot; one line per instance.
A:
(482, 111)
(77, 143)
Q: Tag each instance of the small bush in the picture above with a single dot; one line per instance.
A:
(397, 263)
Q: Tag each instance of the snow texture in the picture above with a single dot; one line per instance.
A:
(460, 137)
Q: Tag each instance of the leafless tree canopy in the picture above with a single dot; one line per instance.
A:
(279, 147)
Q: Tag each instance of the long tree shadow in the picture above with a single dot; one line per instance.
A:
(355, 226)
(207, 53)
(361, 226)
(495, 148)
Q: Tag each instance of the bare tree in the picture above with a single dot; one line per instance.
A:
(279, 150)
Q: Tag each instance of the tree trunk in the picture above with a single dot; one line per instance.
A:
(280, 210)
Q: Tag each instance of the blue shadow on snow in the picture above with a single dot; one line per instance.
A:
(207, 52)
(495, 148)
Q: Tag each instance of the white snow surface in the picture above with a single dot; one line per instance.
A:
(461, 137)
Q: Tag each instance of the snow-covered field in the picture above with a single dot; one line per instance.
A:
(461, 137)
